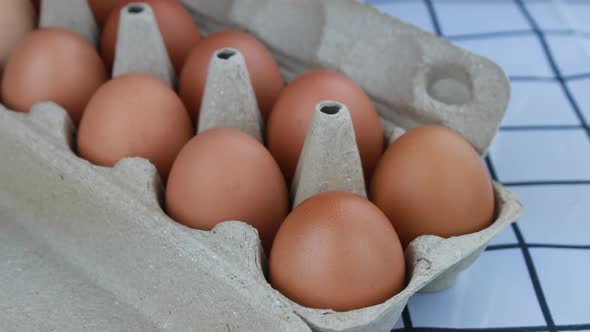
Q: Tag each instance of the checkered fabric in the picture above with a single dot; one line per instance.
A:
(536, 275)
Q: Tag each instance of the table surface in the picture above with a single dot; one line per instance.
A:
(536, 275)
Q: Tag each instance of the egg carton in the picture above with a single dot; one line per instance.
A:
(89, 247)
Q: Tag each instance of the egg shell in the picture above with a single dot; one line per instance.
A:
(431, 181)
(176, 25)
(134, 115)
(224, 174)
(107, 221)
(331, 247)
(52, 64)
(101, 9)
(225, 265)
(263, 69)
(293, 111)
(17, 19)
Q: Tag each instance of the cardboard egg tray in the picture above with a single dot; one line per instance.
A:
(85, 247)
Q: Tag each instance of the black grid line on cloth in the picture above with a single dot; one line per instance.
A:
(540, 127)
(553, 64)
(534, 278)
(563, 83)
(407, 318)
(574, 77)
(546, 183)
(433, 17)
(529, 263)
(562, 80)
(507, 329)
(559, 328)
(538, 245)
(514, 33)
(567, 78)
(532, 79)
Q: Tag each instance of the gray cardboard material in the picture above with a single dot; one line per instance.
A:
(229, 100)
(394, 132)
(71, 15)
(37, 277)
(107, 228)
(330, 158)
(103, 230)
(107, 225)
(140, 46)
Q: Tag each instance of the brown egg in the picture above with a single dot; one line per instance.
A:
(337, 251)
(101, 9)
(223, 174)
(17, 19)
(56, 65)
(178, 30)
(431, 181)
(292, 114)
(264, 71)
(134, 115)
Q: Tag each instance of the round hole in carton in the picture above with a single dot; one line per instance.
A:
(330, 109)
(135, 9)
(450, 84)
(226, 54)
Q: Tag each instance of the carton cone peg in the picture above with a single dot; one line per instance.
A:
(140, 46)
(229, 100)
(330, 159)
(75, 16)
